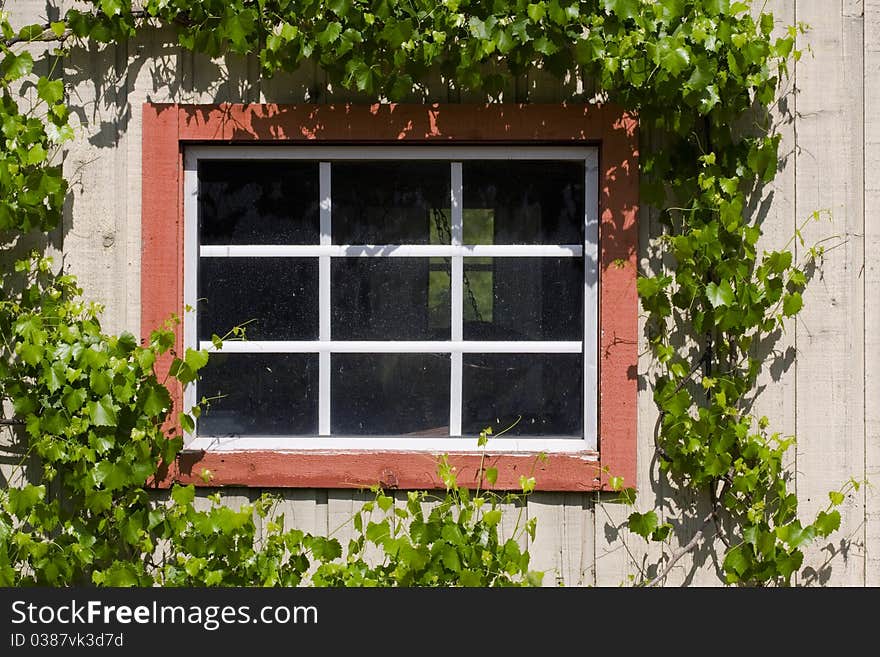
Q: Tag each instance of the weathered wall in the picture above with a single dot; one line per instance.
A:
(820, 383)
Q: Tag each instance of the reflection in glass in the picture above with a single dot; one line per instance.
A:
(258, 202)
(523, 298)
(541, 394)
(259, 395)
(519, 202)
(390, 394)
(277, 298)
(391, 202)
(389, 299)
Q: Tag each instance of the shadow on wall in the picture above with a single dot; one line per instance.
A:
(118, 75)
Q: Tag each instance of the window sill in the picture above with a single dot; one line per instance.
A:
(402, 470)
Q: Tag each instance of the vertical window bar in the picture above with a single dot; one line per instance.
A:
(456, 283)
(191, 260)
(591, 300)
(324, 303)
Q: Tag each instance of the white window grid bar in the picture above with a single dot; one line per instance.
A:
(324, 320)
(467, 444)
(456, 251)
(591, 304)
(395, 347)
(391, 250)
(456, 298)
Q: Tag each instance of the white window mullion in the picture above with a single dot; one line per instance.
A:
(455, 393)
(391, 250)
(398, 346)
(591, 300)
(324, 332)
(191, 260)
(456, 283)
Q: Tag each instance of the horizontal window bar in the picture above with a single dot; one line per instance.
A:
(390, 250)
(397, 347)
(395, 443)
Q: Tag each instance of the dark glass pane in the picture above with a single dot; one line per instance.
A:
(258, 202)
(523, 298)
(519, 202)
(390, 394)
(264, 395)
(279, 295)
(546, 390)
(391, 202)
(390, 299)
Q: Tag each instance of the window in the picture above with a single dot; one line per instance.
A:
(400, 293)
(410, 294)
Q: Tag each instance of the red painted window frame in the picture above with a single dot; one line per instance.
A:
(169, 128)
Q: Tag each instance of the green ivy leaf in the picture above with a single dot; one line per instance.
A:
(31, 354)
(536, 11)
(22, 500)
(29, 32)
(102, 412)
(788, 564)
(674, 59)
(339, 7)
(792, 303)
(622, 8)
(827, 522)
(17, 66)
(715, 7)
(111, 7)
(324, 549)
(330, 34)
(157, 401)
(385, 502)
(196, 359)
(121, 575)
(794, 535)
(74, 400)
(377, 531)
(736, 562)
(647, 287)
(183, 495)
(450, 559)
(720, 295)
(643, 524)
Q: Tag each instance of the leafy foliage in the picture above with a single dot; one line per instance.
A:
(95, 416)
(693, 71)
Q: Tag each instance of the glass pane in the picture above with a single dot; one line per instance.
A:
(391, 202)
(258, 202)
(390, 394)
(523, 298)
(543, 390)
(277, 297)
(523, 202)
(263, 395)
(389, 299)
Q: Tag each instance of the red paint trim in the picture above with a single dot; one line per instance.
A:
(167, 128)
(162, 233)
(400, 470)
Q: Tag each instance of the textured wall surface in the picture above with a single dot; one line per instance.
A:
(819, 385)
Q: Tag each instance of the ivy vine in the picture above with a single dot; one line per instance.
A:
(694, 72)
